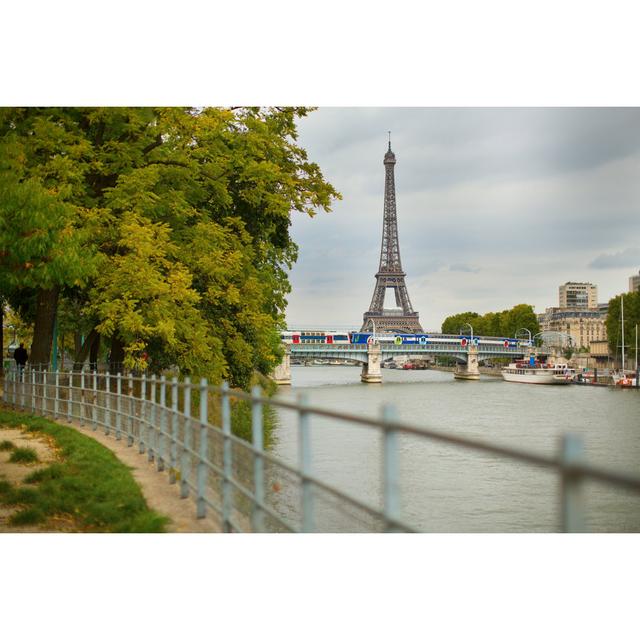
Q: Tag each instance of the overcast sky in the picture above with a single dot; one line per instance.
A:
(496, 207)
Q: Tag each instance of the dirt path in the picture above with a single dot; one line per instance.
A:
(158, 493)
(15, 472)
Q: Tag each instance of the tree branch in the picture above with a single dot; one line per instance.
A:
(150, 147)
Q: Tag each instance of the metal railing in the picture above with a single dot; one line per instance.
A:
(226, 474)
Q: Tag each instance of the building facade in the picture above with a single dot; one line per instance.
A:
(634, 283)
(583, 325)
(578, 295)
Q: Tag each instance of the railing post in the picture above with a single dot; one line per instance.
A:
(70, 402)
(43, 408)
(572, 500)
(107, 402)
(33, 392)
(257, 514)
(119, 405)
(131, 410)
(56, 401)
(390, 470)
(173, 460)
(22, 380)
(202, 463)
(161, 446)
(144, 429)
(94, 406)
(304, 456)
(82, 398)
(152, 421)
(10, 377)
(227, 466)
(187, 440)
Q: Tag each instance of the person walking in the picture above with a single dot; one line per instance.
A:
(21, 356)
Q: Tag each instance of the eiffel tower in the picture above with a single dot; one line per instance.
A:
(390, 274)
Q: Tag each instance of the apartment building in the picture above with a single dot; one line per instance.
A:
(578, 295)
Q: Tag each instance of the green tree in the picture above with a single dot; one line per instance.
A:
(519, 317)
(44, 245)
(454, 324)
(501, 323)
(631, 319)
(209, 193)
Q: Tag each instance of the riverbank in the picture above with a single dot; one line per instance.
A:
(53, 478)
(91, 483)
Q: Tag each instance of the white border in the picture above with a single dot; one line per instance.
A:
(330, 53)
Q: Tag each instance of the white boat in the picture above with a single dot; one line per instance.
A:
(538, 374)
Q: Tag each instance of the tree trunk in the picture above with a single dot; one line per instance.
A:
(93, 353)
(116, 356)
(86, 350)
(2, 332)
(46, 307)
(77, 342)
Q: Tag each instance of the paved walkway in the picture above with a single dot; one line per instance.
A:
(159, 494)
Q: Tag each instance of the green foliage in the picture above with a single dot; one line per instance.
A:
(29, 516)
(144, 295)
(20, 496)
(90, 485)
(52, 472)
(7, 445)
(167, 229)
(42, 244)
(631, 319)
(23, 455)
(502, 323)
(453, 324)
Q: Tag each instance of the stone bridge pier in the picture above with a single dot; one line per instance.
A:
(469, 370)
(371, 370)
(282, 373)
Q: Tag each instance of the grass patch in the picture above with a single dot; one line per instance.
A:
(7, 445)
(89, 485)
(23, 455)
(33, 515)
(20, 496)
(52, 472)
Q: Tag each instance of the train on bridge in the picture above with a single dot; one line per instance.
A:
(357, 337)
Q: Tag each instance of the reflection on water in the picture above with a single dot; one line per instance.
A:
(449, 489)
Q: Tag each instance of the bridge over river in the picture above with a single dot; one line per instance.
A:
(372, 355)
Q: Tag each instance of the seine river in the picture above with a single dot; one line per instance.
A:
(449, 489)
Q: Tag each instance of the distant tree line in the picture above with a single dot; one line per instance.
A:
(154, 236)
(495, 323)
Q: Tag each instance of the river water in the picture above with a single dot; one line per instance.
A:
(450, 489)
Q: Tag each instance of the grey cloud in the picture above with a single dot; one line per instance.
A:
(626, 258)
(437, 147)
(526, 197)
(459, 266)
